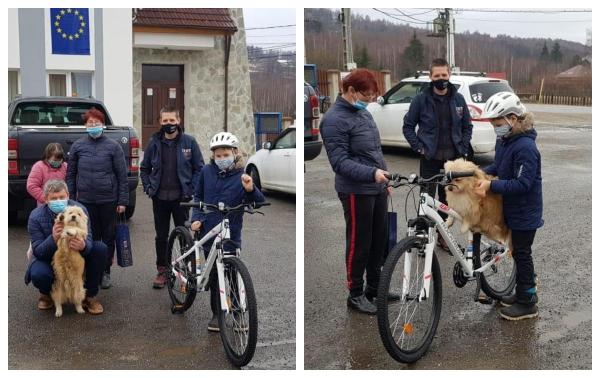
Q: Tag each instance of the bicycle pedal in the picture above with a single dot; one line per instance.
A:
(177, 309)
(484, 299)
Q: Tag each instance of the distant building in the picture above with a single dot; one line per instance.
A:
(185, 57)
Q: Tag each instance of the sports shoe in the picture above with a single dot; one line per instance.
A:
(93, 306)
(213, 324)
(105, 284)
(519, 311)
(161, 278)
(361, 304)
(45, 302)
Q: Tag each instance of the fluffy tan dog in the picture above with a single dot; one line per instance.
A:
(483, 215)
(67, 263)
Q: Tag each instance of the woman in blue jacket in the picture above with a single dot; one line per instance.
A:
(518, 166)
(223, 180)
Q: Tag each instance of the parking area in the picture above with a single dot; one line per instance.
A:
(470, 335)
(137, 329)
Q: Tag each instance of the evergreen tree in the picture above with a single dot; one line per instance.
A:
(413, 56)
(556, 55)
(545, 55)
(363, 60)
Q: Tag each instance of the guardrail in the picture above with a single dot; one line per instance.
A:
(555, 99)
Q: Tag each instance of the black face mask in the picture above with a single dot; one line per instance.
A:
(169, 128)
(441, 84)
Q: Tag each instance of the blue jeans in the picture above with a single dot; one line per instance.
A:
(41, 273)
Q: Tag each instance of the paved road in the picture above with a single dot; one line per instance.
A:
(137, 330)
(470, 335)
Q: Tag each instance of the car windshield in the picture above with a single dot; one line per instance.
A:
(53, 113)
(287, 141)
(480, 92)
(406, 91)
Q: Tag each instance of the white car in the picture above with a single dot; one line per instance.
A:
(274, 166)
(390, 109)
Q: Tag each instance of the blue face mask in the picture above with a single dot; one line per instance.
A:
(502, 131)
(95, 131)
(360, 105)
(58, 206)
(224, 164)
(55, 163)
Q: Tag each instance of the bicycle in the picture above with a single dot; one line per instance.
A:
(413, 271)
(188, 274)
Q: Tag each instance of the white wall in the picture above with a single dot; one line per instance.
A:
(14, 57)
(173, 41)
(118, 65)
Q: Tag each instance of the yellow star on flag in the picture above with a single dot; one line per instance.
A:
(69, 10)
(62, 12)
(64, 35)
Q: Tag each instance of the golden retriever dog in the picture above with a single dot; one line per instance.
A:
(483, 215)
(67, 263)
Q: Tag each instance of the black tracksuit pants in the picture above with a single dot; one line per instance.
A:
(163, 211)
(429, 168)
(103, 219)
(366, 239)
(526, 287)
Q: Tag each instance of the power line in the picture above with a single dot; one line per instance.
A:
(418, 14)
(271, 27)
(529, 22)
(525, 11)
(274, 35)
(397, 18)
(409, 16)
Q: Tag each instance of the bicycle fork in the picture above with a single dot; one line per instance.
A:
(225, 292)
(410, 256)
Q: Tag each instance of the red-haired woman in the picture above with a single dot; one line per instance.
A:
(97, 178)
(353, 146)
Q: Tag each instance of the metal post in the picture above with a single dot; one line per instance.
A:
(450, 26)
(347, 40)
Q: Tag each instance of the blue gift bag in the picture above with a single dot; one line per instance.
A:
(123, 243)
(392, 221)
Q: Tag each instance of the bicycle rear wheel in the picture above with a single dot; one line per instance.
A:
(239, 325)
(182, 293)
(500, 279)
(407, 326)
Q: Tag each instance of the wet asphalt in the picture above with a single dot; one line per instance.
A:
(470, 335)
(137, 329)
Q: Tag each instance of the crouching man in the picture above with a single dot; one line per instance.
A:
(44, 234)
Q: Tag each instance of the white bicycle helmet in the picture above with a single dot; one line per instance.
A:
(502, 104)
(224, 139)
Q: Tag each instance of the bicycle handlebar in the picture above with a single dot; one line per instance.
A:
(397, 178)
(224, 209)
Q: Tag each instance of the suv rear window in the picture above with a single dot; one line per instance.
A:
(480, 92)
(48, 113)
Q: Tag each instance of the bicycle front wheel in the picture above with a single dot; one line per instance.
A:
(181, 285)
(407, 326)
(499, 280)
(238, 325)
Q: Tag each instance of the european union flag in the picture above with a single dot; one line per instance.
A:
(70, 31)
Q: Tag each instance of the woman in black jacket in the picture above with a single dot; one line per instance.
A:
(353, 147)
(97, 178)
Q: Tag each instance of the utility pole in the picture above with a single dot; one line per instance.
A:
(347, 40)
(450, 26)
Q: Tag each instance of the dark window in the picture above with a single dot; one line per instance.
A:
(162, 73)
(480, 92)
(43, 113)
(287, 140)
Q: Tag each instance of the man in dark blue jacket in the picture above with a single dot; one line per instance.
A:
(445, 127)
(169, 172)
(44, 233)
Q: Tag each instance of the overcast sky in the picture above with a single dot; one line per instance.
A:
(568, 26)
(281, 37)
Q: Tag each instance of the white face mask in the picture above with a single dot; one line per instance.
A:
(502, 131)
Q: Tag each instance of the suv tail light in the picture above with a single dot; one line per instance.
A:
(315, 127)
(314, 105)
(13, 157)
(476, 114)
(134, 153)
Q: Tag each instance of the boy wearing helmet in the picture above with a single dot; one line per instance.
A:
(518, 166)
(223, 180)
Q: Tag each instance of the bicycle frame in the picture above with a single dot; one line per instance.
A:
(215, 257)
(429, 207)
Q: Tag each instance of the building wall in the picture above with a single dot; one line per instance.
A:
(204, 80)
(110, 59)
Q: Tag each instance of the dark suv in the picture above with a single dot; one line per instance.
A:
(312, 144)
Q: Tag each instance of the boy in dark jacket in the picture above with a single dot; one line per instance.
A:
(169, 172)
(223, 180)
(518, 166)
